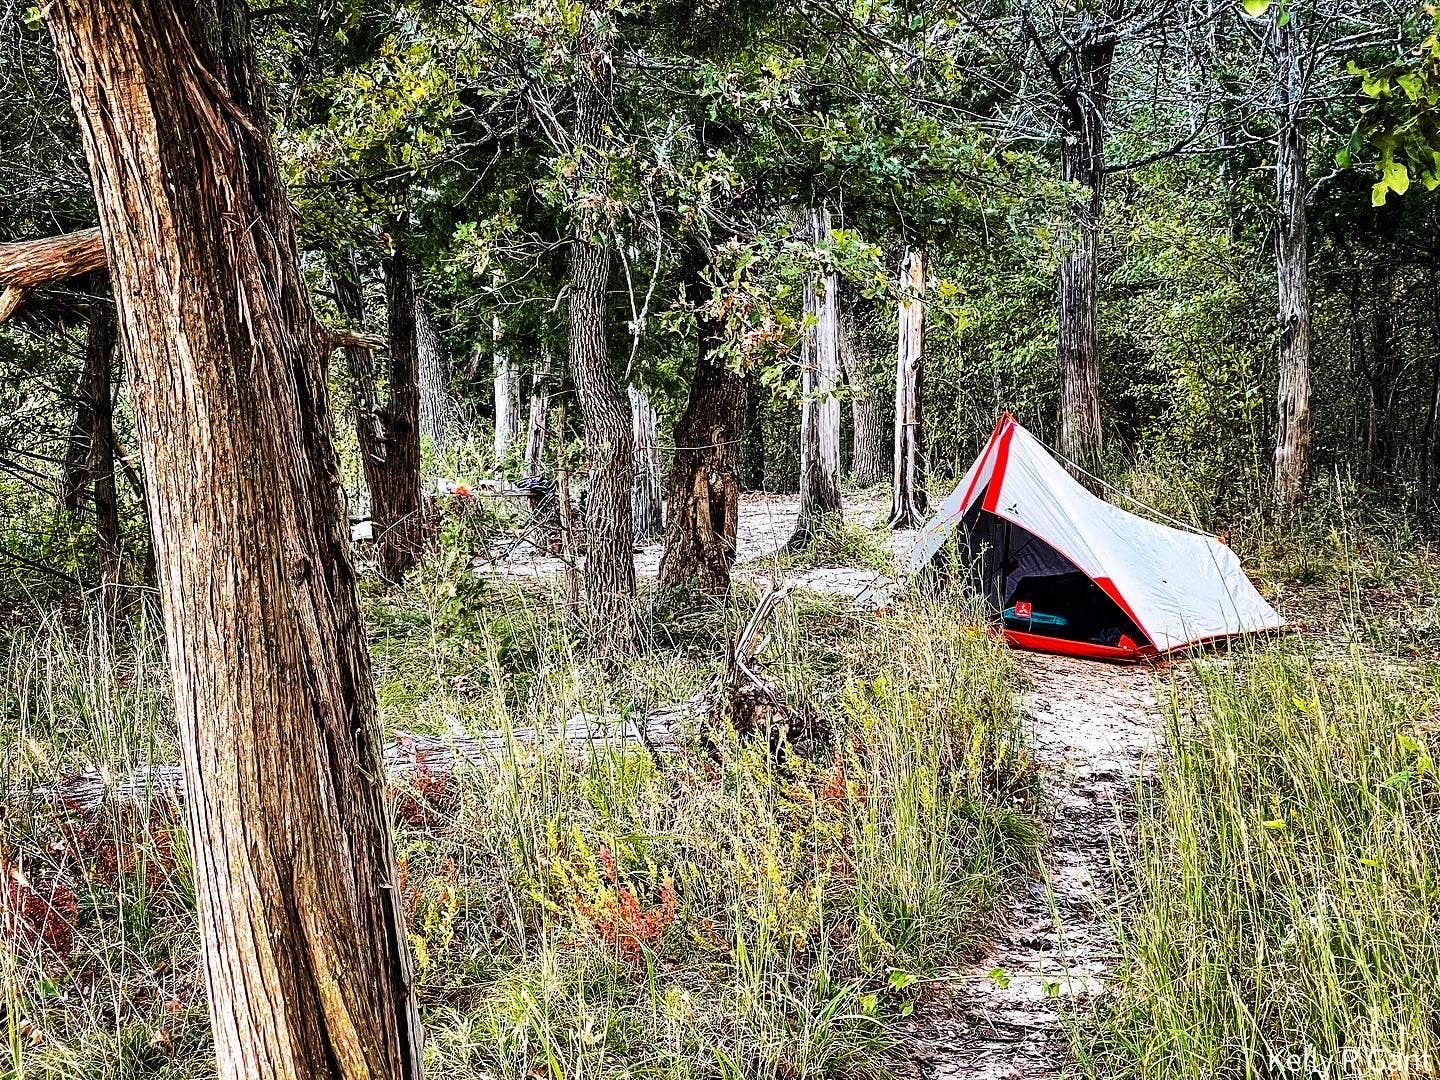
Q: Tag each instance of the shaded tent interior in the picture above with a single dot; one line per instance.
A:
(1033, 588)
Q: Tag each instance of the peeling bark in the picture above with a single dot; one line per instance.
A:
(507, 394)
(647, 505)
(1292, 433)
(704, 490)
(820, 405)
(908, 502)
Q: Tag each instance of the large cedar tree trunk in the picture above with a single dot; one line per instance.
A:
(704, 473)
(303, 940)
(610, 533)
(1082, 161)
(1292, 433)
(820, 405)
(908, 501)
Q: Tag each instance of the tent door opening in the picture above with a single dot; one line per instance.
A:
(1033, 588)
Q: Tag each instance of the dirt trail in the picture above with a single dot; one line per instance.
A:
(1093, 726)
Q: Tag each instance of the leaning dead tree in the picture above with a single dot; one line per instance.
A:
(303, 940)
(908, 502)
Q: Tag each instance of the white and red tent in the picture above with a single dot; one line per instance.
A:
(1074, 574)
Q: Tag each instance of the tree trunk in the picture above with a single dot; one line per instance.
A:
(1379, 416)
(647, 507)
(100, 345)
(1082, 161)
(435, 405)
(700, 544)
(507, 395)
(362, 405)
(539, 409)
(820, 405)
(89, 465)
(392, 461)
(610, 533)
(1292, 433)
(303, 940)
(867, 446)
(1430, 438)
(908, 501)
(753, 469)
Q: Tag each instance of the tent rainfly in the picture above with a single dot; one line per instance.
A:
(1071, 573)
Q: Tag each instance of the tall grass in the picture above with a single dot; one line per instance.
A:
(1287, 919)
(719, 911)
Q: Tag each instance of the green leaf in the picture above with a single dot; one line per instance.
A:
(1255, 8)
(1378, 193)
(1396, 177)
(1342, 159)
(999, 978)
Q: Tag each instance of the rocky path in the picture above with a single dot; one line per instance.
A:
(1093, 726)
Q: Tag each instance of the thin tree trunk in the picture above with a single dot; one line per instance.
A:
(647, 506)
(77, 468)
(568, 548)
(908, 501)
(303, 941)
(1082, 161)
(867, 428)
(392, 464)
(507, 394)
(435, 404)
(700, 543)
(820, 405)
(753, 470)
(100, 345)
(1430, 438)
(1292, 433)
(539, 408)
(1379, 420)
(89, 464)
(610, 533)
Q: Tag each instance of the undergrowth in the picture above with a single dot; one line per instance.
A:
(714, 911)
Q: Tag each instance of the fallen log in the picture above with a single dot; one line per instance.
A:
(404, 756)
